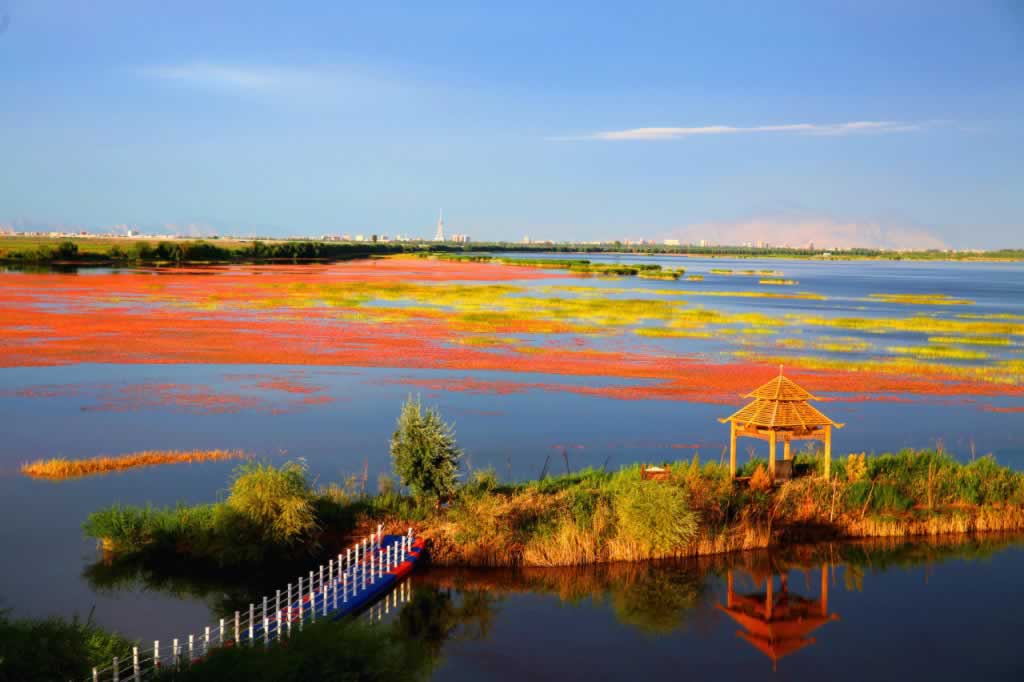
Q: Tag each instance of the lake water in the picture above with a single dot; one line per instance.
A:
(535, 368)
(840, 612)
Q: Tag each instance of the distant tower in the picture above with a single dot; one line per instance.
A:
(439, 237)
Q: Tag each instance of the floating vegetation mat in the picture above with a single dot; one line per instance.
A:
(58, 469)
(675, 340)
(919, 299)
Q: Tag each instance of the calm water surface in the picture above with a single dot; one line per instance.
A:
(840, 612)
(77, 411)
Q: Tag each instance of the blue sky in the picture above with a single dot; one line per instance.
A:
(897, 121)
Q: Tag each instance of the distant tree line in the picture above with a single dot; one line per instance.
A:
(200, 251)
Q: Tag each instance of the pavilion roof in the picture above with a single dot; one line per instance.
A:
(781, 404)
(778, 649)
(781, 388)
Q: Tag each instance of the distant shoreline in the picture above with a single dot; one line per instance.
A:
(15, 249)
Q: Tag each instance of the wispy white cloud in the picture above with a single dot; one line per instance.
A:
(231, 77)
(823, 129)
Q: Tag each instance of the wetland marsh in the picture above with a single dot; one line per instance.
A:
(541, 369)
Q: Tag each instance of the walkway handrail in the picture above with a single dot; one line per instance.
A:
(345, 584)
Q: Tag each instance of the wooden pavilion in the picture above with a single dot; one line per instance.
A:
(780, 411)
(777, 624)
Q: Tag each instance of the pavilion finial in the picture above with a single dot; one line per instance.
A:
(780, 369)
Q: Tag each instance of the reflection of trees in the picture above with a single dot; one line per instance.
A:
(653, 596)
(222, 590)
(434, 616)
(657, 600)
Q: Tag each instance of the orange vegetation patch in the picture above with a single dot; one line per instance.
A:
(58, 469)
(187, 397)
(1003, 410)
(239, 315)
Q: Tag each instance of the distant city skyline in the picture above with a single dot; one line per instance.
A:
(898, 125)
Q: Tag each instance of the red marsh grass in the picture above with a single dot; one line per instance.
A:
(61, 469)
(317, 316)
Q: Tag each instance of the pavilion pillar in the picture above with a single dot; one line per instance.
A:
(732, 449)
(824, 590)
(769, 596)
(729, 588)
(786, 454)
(771, 455)
(828, 451)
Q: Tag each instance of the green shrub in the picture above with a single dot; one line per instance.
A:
(423, 451)
(55, 649)
(857, 495)
(276, 500)
(653, 514)
(890, 498)
(124, 528)
(582, 505)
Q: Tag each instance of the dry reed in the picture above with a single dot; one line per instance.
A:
(59, 469)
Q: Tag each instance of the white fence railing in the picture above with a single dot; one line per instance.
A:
(340, 585)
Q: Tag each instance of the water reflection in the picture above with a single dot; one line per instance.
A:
(630, 621)
(777, 623)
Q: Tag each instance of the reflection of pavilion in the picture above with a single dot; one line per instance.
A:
(777, 625)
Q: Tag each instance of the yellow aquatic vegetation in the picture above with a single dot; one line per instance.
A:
(990, 316)
(76, 468)
(695, 278)
(971, 340)
(775, 280)
(748, 273)
(796, 295)
(795, 344)
(842, 345)
(486, 341)
(919, 299)
(918, 323)
(663, 332)
(938, 352)
(1000, 373)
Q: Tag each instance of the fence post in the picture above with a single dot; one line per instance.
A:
(206, 640)
(344, 587)
(117, 675)
(220, 632)
(266, 631)
(277, 611)
(156, 653)
(265, 634)
(95, 675)
(252, 621)
(191, 650)
(135, 663)
(330, 571)
(321, 574)
(237, 623)
(174, 654)
(348, 558)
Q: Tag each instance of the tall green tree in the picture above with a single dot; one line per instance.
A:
(423, 451)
